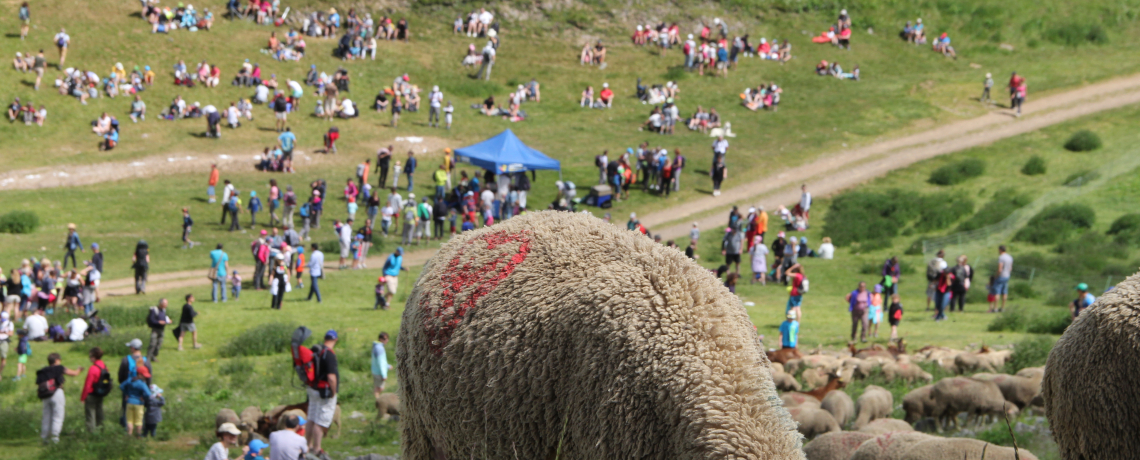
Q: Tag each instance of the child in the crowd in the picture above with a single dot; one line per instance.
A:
(23, 351)
(137, 394)
(236, 284)
(300, 265)
(790, 331)
(991, 296)
(254, 208)
(255, 448)
(153, 411)
(352, 207)
(356, 247)
(447, 112)
(381, 301)
(875, 313)
(894, 315)
(730, 281)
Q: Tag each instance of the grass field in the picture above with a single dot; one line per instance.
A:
(904, 89)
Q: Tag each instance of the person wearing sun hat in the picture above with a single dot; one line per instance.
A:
(227, 434)
(1084, 300)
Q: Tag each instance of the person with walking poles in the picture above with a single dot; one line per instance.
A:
(49, 383)
(1000, 286)
(157, 319)
(323, 392)
(71, 245)
(95, 388)
(219, 269)
(316, 271)
(392, 267)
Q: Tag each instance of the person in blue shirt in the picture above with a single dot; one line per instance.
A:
(410, 168)
(287, 141)
(392, 268)
(136, 392)
(380, 365)
(790, 331)
(722, 60)
(1084, 300)
(72, 244)
(220, 263)
(254, 208)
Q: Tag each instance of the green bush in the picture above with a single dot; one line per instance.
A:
(1075, 34)
(265, 339)
(1034, 167)
(1030, 352)
(82, 445)
(123, 316)
(956, 173)
(113, 344)
(1126, 228)
(859, 217)
(938, 210)
(237, 366)
(19, 222)
(1013, 319)
(1053, 321)
(1055, 223)
(1083, 141)
(1022, 290)
(1004, 203)
(1080, 178)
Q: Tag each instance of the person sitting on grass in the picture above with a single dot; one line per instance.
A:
(918, 36)
(599, 54)
(14, 109)
(942, 45)
(655, 121)
(843, 39)
(586, 101)
(699, 121)
(606, 97)
(587, 55)
(489, 107)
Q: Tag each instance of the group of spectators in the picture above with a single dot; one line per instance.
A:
(650, 166)
(35, 63)
(833, 69)
(762, 97)
(479, 23)
(107, 128)
(292, 49)
(26, 112)
(163, 20)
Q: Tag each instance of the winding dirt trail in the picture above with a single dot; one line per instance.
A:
(825, 176)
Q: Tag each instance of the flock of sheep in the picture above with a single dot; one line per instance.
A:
(823, 408)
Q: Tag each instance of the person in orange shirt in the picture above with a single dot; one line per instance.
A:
(300, 266)
(213, 181)
(761, 221)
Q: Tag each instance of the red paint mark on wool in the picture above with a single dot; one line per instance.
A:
(471, 282)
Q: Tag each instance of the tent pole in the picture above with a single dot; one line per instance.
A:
(559, 174)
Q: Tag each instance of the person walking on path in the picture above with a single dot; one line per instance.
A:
(410, 168)
(157, 320)
(141, 263)
(219, 269)
(392, 267)
(719, 174)
(1000, 286)
(383, 162)
(62, 42)
(960, 285)
(316, 271)
(71, 245)
(323, 392)
(213, 181)
(380, 366)
(987, 84)
(50, 382)
(859, 302)
(186, 323)
(94, 390)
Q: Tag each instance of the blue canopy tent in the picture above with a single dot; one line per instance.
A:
(505, 154)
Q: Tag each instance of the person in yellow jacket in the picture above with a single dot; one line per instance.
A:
(440, 177)
(448, 163)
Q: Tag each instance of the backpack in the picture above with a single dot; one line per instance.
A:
(102, 387)
(598, 161)
(304, 210)
(804, 286)
(932, 270)
(46, 389)
(303, 361)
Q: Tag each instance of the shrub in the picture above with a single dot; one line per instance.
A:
(1074, 34)
(857, 217)
(1126, 228)
(1083, 141)
(19, 222)
(1030, 352)
(1034, 167)
(123, 316)
(1052, 321)
(82, 445)
(1013, 319)
(956, 173)
(265, 339)
(1080, 178)
(237, 366)
(112, 344)
(1004, 203)
(937, 211)
(1022, 290)
(1056, 223)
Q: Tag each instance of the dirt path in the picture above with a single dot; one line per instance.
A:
(850, 168)
(826, 176)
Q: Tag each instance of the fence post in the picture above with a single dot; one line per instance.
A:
(1107, 283)
(1032, 272)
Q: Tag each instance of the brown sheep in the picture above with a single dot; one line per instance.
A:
(785, 382)
(955, 448)
(838, 445)
(226, 416)
(1015, 389)
(387, 405)
(875, 402)
(839, 405)
(886, 425)
(1090, 388)
(783, 355)
(906, 371)
(888, 446)
(813, 421)
(556, 332)
(918, 405)
(977, 398)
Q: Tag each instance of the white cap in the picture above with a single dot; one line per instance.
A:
(751, 210)
(763, 40)
(920, 20)
(411, 196)
(639, 27)
(716, 20)
(774, 87)
(605, 85)
(690, 36)
(988, 75)
(435, 88)
(229, 428)
(520, 87)
(843, 11)
(633, 215)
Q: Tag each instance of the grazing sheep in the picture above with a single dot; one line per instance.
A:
(886, 425)
(838, 445)
(777, 367)
(280, 425)
(1015, 389)
(875, 402)
(226, 416)
(888, 446)
(783, 355)
(918, 405)
(815, 378)
(556, 332)
(793, 366)
(785, 382)
(824, 361)
(800, 399)
(977, 398)
(985, 360)
(860, 368)
(839, 405)
(938, 448)
(1035, 373)
(248, 426)
(1091, 388)
(906, 371)
(813, 421)
(387, 405)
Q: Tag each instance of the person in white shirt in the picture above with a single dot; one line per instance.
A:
(7, 330)
(347, 109)
(344, 232)
(386, 214)
(488, 61)
(286, 444)
(37, 326)
(262, 94)
(447, 113)
(436, 102)
(76, 329)
(62, 42)
(233, 116)
(826, 250)
(805, 202)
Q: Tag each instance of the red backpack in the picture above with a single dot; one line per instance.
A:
(303, 361)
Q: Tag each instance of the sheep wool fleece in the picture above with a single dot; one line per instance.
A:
(1091, 386)
(556, 335)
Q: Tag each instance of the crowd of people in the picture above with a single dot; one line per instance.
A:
(26, 112)
(164, 20)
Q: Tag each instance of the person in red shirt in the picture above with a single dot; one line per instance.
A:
(795, 274)
(607, 95)
(93, 404)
